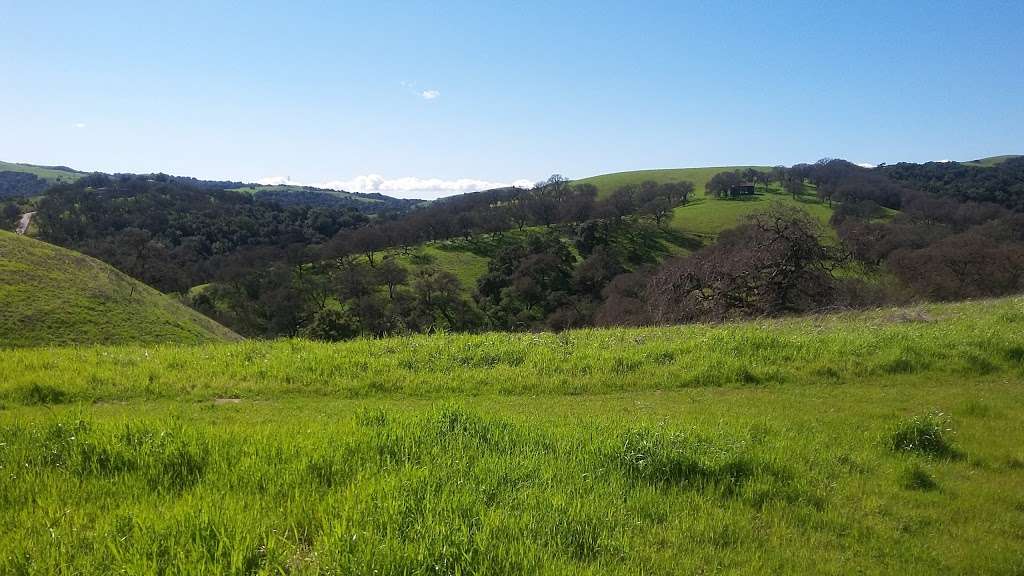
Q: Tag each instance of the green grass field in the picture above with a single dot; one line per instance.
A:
(783, 446)
(49, 174)
(53, 296)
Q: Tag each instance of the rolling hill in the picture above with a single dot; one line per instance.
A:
(991, 160)
(288, 195)
(703, 216)
(52, 296)
(607, 183)
(52, 174)
(693, 224)
(26, 180)
(18, 180)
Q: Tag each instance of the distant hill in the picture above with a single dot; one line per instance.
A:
(52, 296)
(289, 195)
(607, 183)
(27, 180)
(704, 217)
(991, 160)
(52, 174)
(24, 180)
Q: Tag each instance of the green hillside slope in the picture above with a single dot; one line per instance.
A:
(696, 223)
(607, 183)
(991, 160)
(53, 296)
(705, 217)
(52, 175)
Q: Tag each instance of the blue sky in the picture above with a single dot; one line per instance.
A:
(418, 99)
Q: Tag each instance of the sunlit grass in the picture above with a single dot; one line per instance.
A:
(977, 338)
(780, 446)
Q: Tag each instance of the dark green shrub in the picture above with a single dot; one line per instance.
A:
(660, 457)
(41, 394)
(914, 477)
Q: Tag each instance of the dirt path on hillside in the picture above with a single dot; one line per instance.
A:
(26, 219)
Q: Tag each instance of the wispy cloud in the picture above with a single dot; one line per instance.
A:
(79, 125)
(406, 187)
(865, 164)
(424, 93)
(278, 181)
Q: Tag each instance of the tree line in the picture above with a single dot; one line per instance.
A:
(559, 255)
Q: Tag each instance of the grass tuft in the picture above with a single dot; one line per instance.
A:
(928, 434)
(35, 393)
(915, 477)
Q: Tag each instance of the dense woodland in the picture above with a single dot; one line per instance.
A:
(1001, 184)
(20, 184)
(173, 235)
(558, 255)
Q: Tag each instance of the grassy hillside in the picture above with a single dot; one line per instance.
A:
(51, 175)
(707, 217)
(879, 442)
(695, 223)
(992, 160)
(607, 183)
(53, 296)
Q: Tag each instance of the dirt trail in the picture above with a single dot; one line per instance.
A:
(26, 219)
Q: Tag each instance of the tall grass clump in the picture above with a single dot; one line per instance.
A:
(929, 434)
(731, 467)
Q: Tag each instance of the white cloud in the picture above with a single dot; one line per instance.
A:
(407, 187)
(865, 165)
(278, 181)
(413, 187)
(79, 125)
(429, 94)
(942, 161)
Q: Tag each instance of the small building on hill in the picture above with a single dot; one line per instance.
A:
(741, 189)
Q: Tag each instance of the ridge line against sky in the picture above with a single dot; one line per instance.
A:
(457, 95)
(405, 187)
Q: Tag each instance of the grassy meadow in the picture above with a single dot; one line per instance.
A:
(889, 441)
(707, 217)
